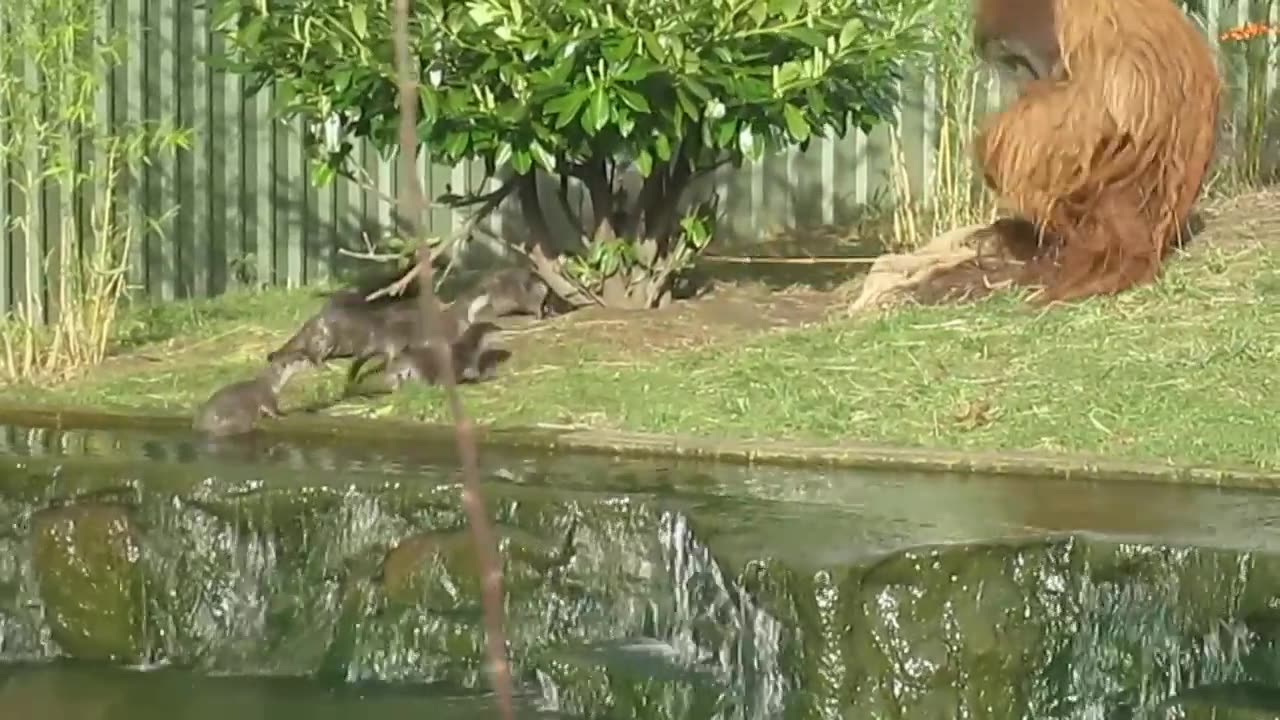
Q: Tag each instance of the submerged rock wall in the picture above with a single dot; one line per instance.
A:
(619, 604)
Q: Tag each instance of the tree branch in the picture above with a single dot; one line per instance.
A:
(491, 202)
(540, 254)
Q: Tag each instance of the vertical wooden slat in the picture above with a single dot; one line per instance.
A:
(229, 188)
(351, 216)
(197, 203)
(130, 14)
(386, 176)
(792, 158)
(85, 193)
(756, 171)
(33, 298)
(161, 174)
(57, 153)
(186, 265)
(372, 212)
(221, 242)
(440, 178)
(344, 228)
(324, 246)
(259, 168)
(6, 240)
(862, 165)
(827, 175)
(928, 138)
(320, 238)
(290, 202)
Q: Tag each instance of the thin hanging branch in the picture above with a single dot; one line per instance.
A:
(412, 209)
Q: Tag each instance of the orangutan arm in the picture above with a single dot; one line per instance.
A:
(1038, 147)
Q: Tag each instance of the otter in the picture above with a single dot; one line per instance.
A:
(349, 327)
(234, 409)
(516, 291)
(475, 359)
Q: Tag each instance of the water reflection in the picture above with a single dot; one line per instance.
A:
(65, 691)
(635, 589)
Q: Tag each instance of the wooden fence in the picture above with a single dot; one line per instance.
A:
(247, 213)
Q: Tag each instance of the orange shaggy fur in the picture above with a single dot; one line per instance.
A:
(1106, 155)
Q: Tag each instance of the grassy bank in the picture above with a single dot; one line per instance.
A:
(1184, 370)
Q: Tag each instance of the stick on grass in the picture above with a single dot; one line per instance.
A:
(413, 208)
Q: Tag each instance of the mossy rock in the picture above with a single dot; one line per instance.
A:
(87, 559)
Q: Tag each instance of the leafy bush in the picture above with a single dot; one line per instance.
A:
(586, 89)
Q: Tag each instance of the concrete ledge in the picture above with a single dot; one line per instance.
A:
(850, 455)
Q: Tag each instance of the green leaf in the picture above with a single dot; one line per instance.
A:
(787, 8)
(817, 103)
(758, 12)
(638, 69)
(503, 155)
(359, 22)
(662, 146)
(687, 104)
(633, 99)
(808, 36)
(725, 132)
(521, 162)
(796, 124)
(697, 88)
(249, 32)
(654, 47)
(850, 32)
(543, 157)
(644, 163)
(618, 52)
(566, 106)
(597, 112)
(597, 253)
(609, 264)
(625, 121)
(321, 173)
(226, 12)
(482, 13)
(430, 103)
(788, 73)
(455, 143)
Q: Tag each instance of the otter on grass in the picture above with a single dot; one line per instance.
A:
(475, 359)
(234, 409)
(516, 291)
(351, 328)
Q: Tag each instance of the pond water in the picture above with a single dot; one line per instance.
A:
(146, 574)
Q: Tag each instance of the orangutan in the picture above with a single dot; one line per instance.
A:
(1105, 150)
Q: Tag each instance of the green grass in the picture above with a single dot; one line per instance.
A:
(1183, 370)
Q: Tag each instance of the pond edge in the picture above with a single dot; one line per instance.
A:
(537, 439)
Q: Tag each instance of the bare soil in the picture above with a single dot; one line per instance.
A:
(726, 314)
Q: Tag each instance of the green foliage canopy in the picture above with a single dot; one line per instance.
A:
(581, 88)
(552, 81)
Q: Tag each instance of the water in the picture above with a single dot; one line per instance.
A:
(336, 580)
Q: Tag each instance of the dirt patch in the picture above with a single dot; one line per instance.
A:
(1239, 223)
(725, 314)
